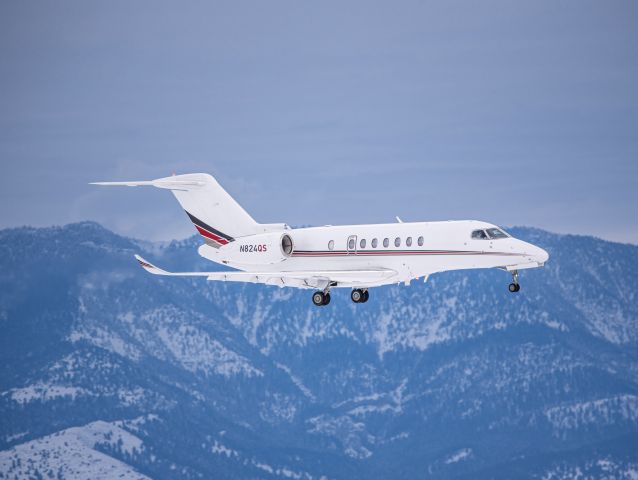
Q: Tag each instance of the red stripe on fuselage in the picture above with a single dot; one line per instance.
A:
(393, 252)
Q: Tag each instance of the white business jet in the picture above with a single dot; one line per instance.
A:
(322, 258)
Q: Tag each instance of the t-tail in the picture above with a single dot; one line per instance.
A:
(216, 215)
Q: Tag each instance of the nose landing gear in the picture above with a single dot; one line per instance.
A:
(514, 286)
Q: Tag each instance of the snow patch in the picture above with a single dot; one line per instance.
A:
(220, 449)
(196, 351)
(297, 381)
(44, 392)
(72, 453)
(605, 411)
(107, 340)
(459, 455)
(352, 435)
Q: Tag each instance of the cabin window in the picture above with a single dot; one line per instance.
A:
(496, 233)
(374, 243)
(386, 242)
(479, 235)
(331, 245)
(397, 242)
(362, 243)
(408, 241)
(351, 244)
(420, 241)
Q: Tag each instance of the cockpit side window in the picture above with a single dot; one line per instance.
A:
(479, 235)
(496, 233)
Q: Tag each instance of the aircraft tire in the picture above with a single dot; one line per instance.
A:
(318, 299)
(514, 287)
(366, 295)
(357, 295)
(326, 298)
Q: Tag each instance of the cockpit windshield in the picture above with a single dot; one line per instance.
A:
(496, 233)
(489, 234)
(479, 235)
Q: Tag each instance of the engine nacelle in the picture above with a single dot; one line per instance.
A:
(263, 249)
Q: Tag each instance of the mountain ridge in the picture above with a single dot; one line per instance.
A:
(448, 379)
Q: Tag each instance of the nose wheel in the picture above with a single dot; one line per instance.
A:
(359, 296)
(514, 286)
(320, 298)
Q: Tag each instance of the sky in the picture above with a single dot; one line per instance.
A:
(312, 113)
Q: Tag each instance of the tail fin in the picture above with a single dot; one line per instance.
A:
(215, 214)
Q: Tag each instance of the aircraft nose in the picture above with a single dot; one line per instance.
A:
(540, 255)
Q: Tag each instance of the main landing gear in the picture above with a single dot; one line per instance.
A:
(321, 298)
(359, 296)
(514, 286)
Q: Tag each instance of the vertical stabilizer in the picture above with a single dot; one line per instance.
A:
(215, 214)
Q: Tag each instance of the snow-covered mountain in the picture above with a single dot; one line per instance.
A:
(107, 371)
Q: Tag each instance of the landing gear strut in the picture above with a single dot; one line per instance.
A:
(514, 286)
(359, 296)
(321, 298)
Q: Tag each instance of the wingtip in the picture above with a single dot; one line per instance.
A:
(145, 265)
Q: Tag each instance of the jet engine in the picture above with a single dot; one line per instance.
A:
(263, 249)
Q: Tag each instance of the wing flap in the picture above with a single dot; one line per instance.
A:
(300, 279)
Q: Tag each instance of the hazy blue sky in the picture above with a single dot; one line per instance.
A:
(323, 112)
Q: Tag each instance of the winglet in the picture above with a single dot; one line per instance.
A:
(149, 267)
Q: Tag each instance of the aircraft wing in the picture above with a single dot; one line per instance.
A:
(299, 279)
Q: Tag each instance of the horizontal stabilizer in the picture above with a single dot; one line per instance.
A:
(167, 183)
(215, 214)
